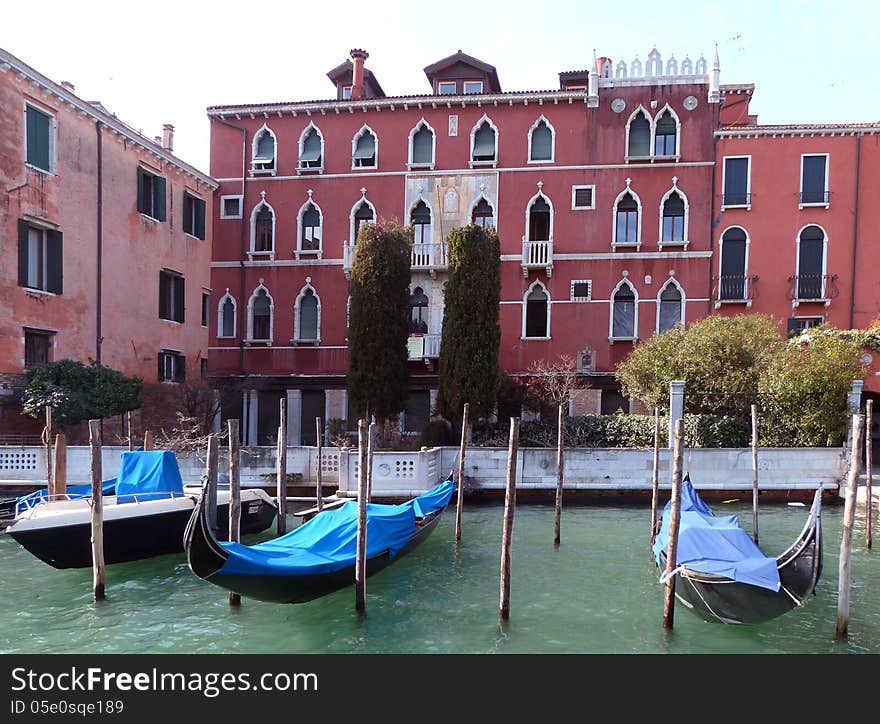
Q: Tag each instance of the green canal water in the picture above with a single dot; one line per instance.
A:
(596, 593)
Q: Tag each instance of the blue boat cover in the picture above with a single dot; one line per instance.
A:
(108, 487)
(149, 474)
(328, 542)
(715, 544)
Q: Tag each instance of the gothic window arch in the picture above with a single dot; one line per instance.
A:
(363, 212)
(307, 315)
(422, 145)
(484, 143)
(674, 213)
(624, 322)
(542, 141)
(309, 228)
(421, 219)
(311, 149)
(418, 306)
(365, 148)
(261, 313)
(627, 222)
(226, 315)
(536, 312)
(667, 133)
(539, 218)
(670, 306)
(638, 134)
(263, 228)
(483, 213)
(264, 150)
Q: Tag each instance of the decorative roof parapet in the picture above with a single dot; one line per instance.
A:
(654, 70)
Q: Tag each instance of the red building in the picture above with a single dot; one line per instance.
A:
(107, 245)
(600, 190)
(794, 220)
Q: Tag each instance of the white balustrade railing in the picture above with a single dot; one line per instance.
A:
(432, 255)
(537, 254)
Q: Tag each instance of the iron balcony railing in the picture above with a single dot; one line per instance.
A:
(815, 197)
(735, 287)
(812, 287)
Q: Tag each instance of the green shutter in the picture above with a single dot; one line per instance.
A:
(23, 230)
(179, 368)
(161, 358)
(142, 196)
(54, 261)
(164, 287)
(200, 207)
(159, 197)
(179, 292)
(38, 129)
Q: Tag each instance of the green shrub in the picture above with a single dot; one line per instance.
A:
(436, 433)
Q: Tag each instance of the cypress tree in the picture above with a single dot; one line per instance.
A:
(378, 374)
(469, 369)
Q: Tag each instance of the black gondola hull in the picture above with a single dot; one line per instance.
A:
(130, 538)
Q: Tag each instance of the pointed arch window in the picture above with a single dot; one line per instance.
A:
(226, 316)
(484, 144)
(261, 316)
(539, 220)
(264, 151)
(673, 218)
(537, 313)
(263, 229)
(363, 214)
(639, 136)
(811, 263)
(364, 149)
(665, 135)
(627, 220)
(418, 306)
(541, 142)
(311, 149)
(307, 315)
(421, 149)
(483, 214)
(670, 307)
(420, 218)
(310, 234)
(623, 311)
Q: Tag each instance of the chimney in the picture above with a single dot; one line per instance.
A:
(67, 85)
(358, 57)
(168, 137)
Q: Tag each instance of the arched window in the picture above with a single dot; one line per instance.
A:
(483, 214)
(421, 147)
(623, 311)
(665, 135)
(537, 318)
(539, 220)
(639, 135)
(363, 149)
(810, 263)
(670, 307)
(310, 234)
(263, 228)
(541, 141)
(627, 220)
(261, 315)
(418, 306)
(420, 218)
(226, 316)
(673, 218)
(732, 281)
(484, 143)
(311, 148)
(263, 150)
(363, 214)
(307, 316)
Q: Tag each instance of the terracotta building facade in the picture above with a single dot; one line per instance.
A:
(106, 251)
(600, 191)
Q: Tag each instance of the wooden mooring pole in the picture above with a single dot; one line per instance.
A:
(755, 472)
(47, 445)
(319, 473)
(60, 476)
(849, 514)
(560, 474)
(509, 513)
(148, 440)
(655, 476)
(674, 520)
(360, 566)
(461, 452)
(234, 493)
(281, 468)
(371, 445)
(211, 475)
(869, 500)
(97, 511)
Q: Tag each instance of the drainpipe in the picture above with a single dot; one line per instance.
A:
(242, 290)
(852, 291)
(99, 339)
(716, 112)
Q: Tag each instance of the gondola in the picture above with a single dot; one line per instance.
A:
(722, 575)
(146, 511)
(318, 557)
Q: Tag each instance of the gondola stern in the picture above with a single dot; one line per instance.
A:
(204, 554)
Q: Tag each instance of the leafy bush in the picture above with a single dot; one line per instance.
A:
(436, 432)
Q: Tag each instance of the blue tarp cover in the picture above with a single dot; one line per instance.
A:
(108, 487)
(150, 474)
(328, 542)
(716, 544)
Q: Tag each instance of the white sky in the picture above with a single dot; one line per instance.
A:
(165, 62)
